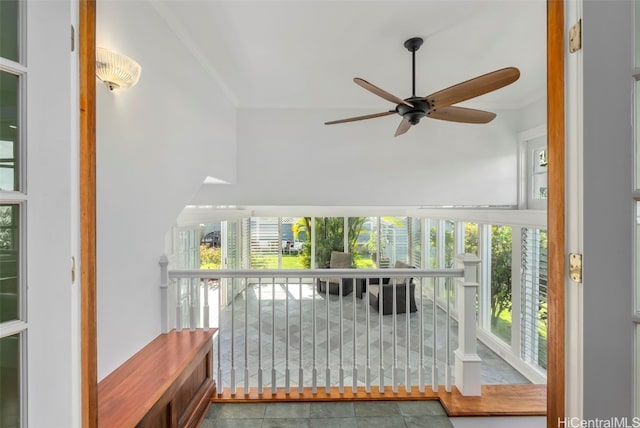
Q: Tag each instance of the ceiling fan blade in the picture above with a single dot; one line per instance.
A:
(473, 87)
(380, 92)
(368, 116)
(404, 126)
(461, 114)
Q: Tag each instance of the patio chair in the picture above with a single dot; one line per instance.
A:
(339, 260)
(389, 287)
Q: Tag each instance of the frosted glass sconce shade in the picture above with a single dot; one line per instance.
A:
(116, 70)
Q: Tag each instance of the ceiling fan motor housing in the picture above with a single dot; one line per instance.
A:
(415, 113)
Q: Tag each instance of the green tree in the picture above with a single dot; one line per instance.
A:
(329, 234)
(501, 249)
(500, 271)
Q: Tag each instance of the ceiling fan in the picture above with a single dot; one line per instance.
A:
(438, 105)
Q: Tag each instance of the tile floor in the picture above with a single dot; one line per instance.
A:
(294, 306)
(369, 414)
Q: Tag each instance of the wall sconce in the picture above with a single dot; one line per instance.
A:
(116, 70)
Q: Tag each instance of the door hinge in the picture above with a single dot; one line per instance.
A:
(575, 267)
(575, 37)
(73, 39)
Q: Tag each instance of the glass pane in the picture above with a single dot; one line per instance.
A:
(637, 131)
(10, 381)
(294, 243)
(363, 240)
(210, 246)
(394, 241)
(637, 33)
(501, 282)
(638, 257)
(9, 243)
(471, 238)
(9, 86)
(9, 29)
(329, 235)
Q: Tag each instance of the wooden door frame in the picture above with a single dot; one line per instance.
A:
(88, 311)
(555, 215)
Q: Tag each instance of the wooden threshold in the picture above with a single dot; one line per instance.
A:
(496, 400)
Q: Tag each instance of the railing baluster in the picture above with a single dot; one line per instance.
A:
(367, 374)
(300, 370)
(219, 384)
(434, 366)
(286, 330)
(205, 310)
(179, 320)
(447, 335)
(192, 304)
(233, 337)
(354, 387)
(246, 336)
(381, 338)
(273, 335)
(327, 383)
(421, 381)
(314, 372)
(407, 365)
(394, 314)
(340, 351)
(260, 389)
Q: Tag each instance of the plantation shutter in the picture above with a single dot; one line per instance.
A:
(415, 239)
(534, 297)
(265, 242)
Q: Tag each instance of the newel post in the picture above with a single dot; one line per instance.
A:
(467, 361)
(164, 291)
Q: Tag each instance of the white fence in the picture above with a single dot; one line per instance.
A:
(279, 329)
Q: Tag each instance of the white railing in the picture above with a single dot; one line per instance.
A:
(276, 322)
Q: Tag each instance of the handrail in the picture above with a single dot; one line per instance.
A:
(314, 273)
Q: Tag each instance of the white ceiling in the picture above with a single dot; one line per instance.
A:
(304, 54)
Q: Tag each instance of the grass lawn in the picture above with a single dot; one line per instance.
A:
(503, 331)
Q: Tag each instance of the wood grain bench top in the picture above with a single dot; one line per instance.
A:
(127, 394)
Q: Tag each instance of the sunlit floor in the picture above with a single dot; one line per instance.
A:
(288, 326)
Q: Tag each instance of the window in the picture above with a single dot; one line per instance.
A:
(13, 323)
(533, 169)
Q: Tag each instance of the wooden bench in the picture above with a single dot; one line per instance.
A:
(168, 383)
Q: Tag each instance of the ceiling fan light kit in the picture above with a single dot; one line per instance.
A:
(438, 105)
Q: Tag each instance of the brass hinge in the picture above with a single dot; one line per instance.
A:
(575, 37)
(575, 267)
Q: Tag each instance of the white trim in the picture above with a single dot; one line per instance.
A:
(504, 351)
(12, 67)
(12, 327)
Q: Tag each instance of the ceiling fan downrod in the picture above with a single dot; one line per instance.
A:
(412, 45)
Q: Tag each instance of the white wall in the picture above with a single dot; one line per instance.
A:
(52, 297)
(289, 157)
(156, 143)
